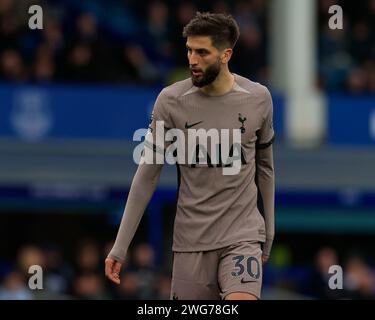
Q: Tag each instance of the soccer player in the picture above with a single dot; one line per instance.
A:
(224, 225)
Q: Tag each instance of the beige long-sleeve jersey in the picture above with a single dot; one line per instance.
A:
(214, 209)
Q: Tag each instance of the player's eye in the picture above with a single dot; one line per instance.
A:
(202, 52)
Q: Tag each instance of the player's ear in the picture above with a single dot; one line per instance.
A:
(226, 55)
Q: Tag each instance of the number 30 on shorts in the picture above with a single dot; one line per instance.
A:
(251, 264)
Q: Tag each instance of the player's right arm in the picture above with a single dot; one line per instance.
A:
(141, 191)
(142, 188)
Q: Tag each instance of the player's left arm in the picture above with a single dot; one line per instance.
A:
(265, 174)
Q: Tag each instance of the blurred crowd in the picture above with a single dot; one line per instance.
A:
(80, 45)
(82, 276)
(327, 275)
(77, 45)
(347, 57)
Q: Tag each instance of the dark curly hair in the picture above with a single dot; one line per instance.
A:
(222, 28)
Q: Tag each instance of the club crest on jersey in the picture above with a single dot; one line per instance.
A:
(242, 119)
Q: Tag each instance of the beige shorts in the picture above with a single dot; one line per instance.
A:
(212, 275)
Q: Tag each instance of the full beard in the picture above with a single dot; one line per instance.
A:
(207, 76)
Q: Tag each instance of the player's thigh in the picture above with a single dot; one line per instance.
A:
(194, 276)
(240, 296)
(240, 271)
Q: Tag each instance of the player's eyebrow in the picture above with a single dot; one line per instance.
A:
(200, 50)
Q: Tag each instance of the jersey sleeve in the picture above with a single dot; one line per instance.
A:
(160, 123)
(266, 134)
(145, 179)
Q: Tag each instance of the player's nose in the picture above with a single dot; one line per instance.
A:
(193, 61)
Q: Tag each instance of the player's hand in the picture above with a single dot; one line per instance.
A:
(112, 270)
(264, 259)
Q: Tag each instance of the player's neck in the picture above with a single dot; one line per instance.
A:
(221, 85)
